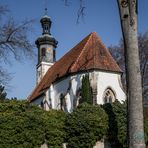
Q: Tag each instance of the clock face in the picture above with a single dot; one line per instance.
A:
(50, 48)
(47, 54)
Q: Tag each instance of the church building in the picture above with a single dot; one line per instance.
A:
(59, 82)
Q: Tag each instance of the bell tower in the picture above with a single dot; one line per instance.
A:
(46, 45)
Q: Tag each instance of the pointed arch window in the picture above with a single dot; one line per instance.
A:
(63, 104)
(42, 104)
(109, 96)
(43, 52)
(78, 98)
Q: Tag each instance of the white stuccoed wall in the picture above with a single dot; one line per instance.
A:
(62, 86)
(109, 80)
(104, 80)
(42, 69)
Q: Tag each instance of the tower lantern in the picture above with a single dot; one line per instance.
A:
(46, 23)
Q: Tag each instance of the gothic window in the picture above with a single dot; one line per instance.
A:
(50, 104)
(78, 99)
(45, 104)
(42, 104)
(109, 96)
(61, 101)
(63, 105)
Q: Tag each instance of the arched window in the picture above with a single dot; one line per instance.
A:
(43, 53)
(42, 104)
(78, 98)
(109, 96)
(63, 104)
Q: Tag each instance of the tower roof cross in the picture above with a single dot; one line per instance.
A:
(46, 11)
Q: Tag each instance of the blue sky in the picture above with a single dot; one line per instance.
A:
(100, 15)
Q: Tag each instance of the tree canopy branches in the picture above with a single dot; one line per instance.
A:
(14, 41)
(81, 10)
(3, 10)
(118, 53)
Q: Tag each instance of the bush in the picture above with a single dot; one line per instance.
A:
(146, 125)
(23, 125)
(54, 128)
(85, 126)
(117, 132)
(146, 131)
(86, 90)
(27, 126)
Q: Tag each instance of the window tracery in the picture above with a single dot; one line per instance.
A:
(109, 96)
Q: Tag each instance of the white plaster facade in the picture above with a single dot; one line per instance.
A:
(69, 87)
(41, 70)
(109, 80)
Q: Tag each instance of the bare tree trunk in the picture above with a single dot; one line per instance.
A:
(128, 16)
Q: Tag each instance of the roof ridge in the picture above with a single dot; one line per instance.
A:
(108, 52)
(106, 48)
(89, 36)
(94, 51)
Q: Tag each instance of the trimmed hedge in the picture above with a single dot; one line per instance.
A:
(86, 125)
(25, 126)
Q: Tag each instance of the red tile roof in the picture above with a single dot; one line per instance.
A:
(89, 54)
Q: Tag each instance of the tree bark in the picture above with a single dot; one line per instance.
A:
(128, 16)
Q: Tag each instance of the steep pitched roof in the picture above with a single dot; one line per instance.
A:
(89, 54)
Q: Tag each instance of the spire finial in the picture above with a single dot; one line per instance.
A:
(46, 11)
